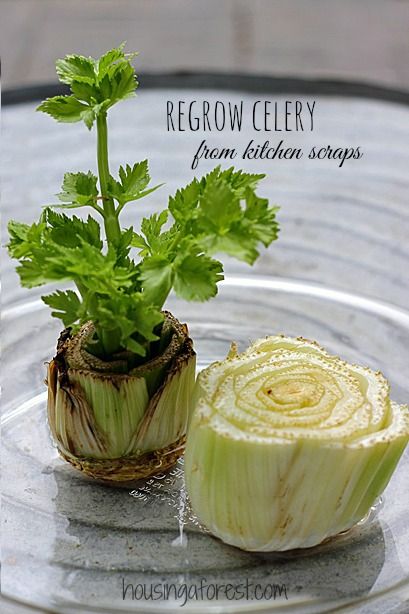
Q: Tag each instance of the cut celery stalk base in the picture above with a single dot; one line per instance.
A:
(115, 425)
(289, 446)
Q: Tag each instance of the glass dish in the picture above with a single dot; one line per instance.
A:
(72, 545)
(69, 544)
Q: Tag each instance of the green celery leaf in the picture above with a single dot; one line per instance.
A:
(124, 245)
(79, 189)
(223, 214)
(72, 231)
(236, 243)
(219, 206)
(95, 86)
(183, 205)
(220, 213)
(96, 271)
(239, 180)
(107, 62)
(140, 243)
(65, 109)
(135, 178)
(260, 219)
(24, 237)
(197, 275)
(157, 278)
(118, 84)
(155, 242)
(67, 306)
(152, 226)
(32, 273)
(89, 116)
(130, 315)
(132, 183)
(76, 68)
(85, 92)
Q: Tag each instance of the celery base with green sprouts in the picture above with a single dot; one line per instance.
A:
(120, 384)
(114, 421)
(289, 445)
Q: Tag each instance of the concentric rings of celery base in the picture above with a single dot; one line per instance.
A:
(289, 445)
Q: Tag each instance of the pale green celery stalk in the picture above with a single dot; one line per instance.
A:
(118, 409)
(127, 422)
(259, 475)
(158, 428)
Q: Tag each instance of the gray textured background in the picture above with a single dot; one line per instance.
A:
(366, 40)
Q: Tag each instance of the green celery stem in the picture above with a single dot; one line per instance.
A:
(112, 228)
(110, 339)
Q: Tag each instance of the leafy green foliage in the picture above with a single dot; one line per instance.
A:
(220, 213)
(68, 109)
(24, 238)
(96, 85)
(127, 317)
(211, 211)
(79, 190)
(60, 248)
(76, 68)
(196, 275)
(67, 306)
(132, 183)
